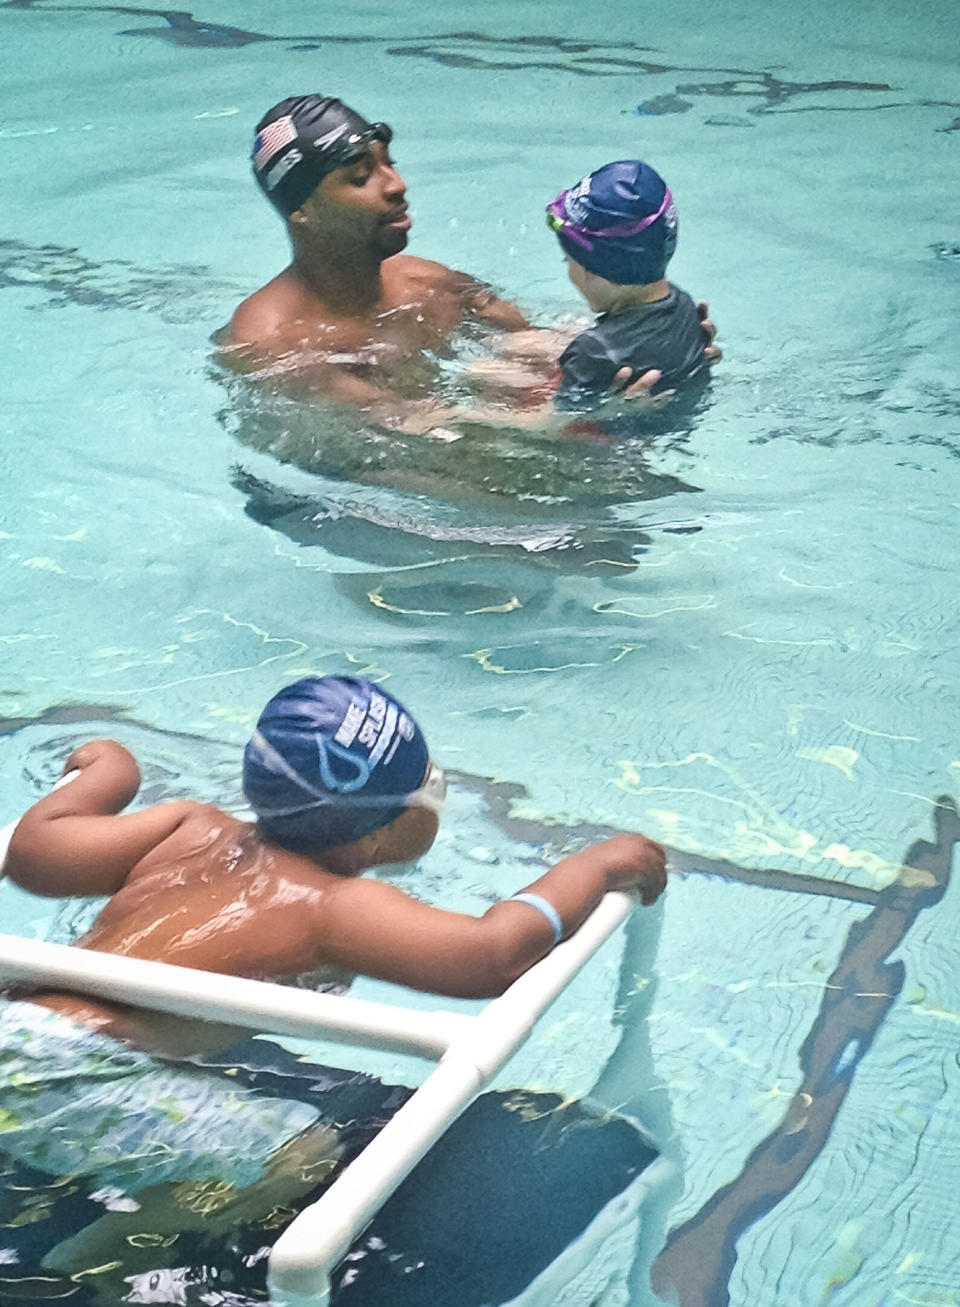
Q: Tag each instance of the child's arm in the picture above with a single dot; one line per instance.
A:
(73, 843)
(372, 927)
(538, 345)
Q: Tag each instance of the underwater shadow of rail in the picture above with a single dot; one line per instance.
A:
(695, 1266)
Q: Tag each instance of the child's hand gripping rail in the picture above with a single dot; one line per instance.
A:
(311, 1247)
(316, 1241)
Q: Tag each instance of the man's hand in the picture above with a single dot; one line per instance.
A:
(641, 388)
(712, 353)
(634, 862)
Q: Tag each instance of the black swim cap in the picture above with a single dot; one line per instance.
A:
(302, 139)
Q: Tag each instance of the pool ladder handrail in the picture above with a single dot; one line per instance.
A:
(469, 1050)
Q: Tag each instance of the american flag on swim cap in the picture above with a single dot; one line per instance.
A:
(272, 138)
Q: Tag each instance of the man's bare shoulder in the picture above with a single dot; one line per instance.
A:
(427, 274)
(266, 314)
(413, 266)
(474, 298)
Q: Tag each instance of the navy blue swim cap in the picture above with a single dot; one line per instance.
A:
(619, 222)
(302, 139)
(332, 759)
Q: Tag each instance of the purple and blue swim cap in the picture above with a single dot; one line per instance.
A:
(332, 759)
(302, 139)
(619, 223)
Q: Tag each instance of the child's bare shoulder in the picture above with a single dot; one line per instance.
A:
(195, 835)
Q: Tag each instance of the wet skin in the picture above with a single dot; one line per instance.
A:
(354, 319)
(214, 896)
(351, 288)
(194, 886)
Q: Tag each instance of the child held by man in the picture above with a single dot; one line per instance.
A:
(618, 230)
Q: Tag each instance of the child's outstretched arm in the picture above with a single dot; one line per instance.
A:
(372, 927)
(73, 842)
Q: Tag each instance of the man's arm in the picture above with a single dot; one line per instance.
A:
(312, 379)
(480, 300)
(483, 303)
(372, 927)
(712, 352)
(73, 842)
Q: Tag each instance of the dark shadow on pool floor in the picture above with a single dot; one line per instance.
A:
(694, 1268)
(475, 51)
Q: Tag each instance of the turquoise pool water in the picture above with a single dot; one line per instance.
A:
(741, 638)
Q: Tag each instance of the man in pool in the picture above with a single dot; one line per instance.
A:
(340, 779)
(352, 311)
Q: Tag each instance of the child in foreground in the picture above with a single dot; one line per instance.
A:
(340, 779)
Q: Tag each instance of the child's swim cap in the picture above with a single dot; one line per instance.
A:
(332, 759)
(619, 222)
(302, 139)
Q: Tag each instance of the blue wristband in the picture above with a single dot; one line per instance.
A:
(548, 910)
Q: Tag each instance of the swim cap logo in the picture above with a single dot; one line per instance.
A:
(322, 142)
(271, 139)
(574, 204)
(388, 735)
(352, 721)
(375, 715)
(280, 170)
(373, 726)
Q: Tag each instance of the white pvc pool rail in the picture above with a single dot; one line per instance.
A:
(469, 1050)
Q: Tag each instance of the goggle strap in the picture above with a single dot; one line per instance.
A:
(581, 234)
(321, 799)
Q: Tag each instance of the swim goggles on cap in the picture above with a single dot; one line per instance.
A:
(338, 149)
(558, 221)
(354, 146)
(431, 793)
